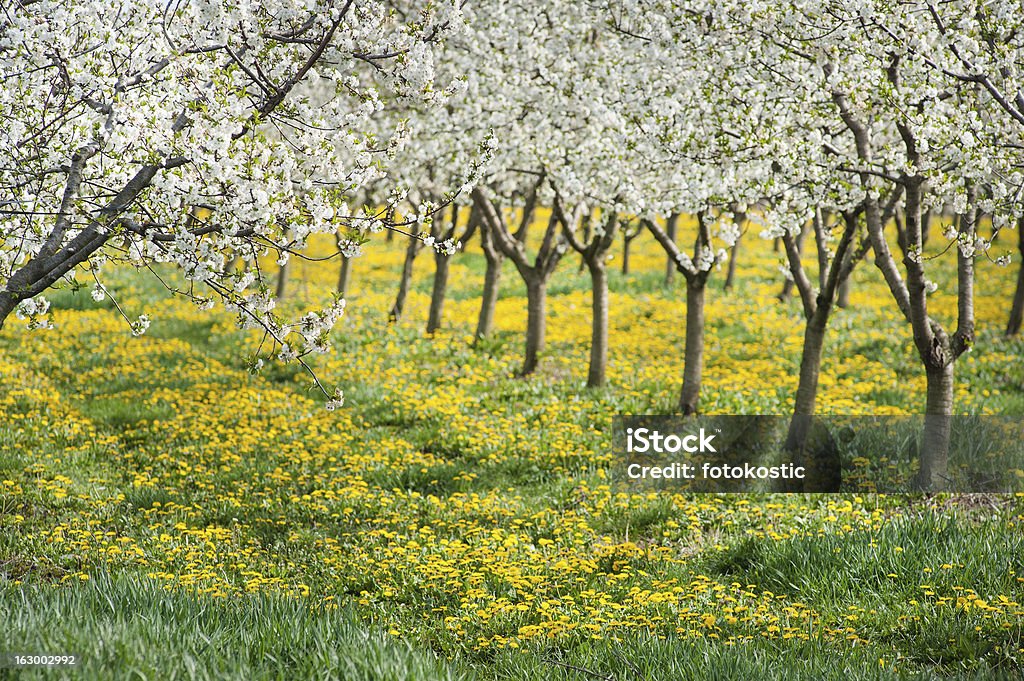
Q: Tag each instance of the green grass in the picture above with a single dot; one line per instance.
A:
(131, 629)
(644, 658)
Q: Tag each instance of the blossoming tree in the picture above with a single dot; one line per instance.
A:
(122, 119)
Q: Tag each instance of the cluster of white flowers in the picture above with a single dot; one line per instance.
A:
(337, 400)
(350, 248)
(315, 327)
(34, 310)
(140, 325)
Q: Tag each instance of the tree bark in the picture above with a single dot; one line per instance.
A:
(285, 270)
(628, 237)
(344, 275)
(536, 322)
(693, 354)
(587, 228)
(730, 275)
(282, 280)
(1017, 310)
(843, 300)
(596, 374)
(489, 298)
(817, 455)
(821, 245)
(696, 283)
(934, 454)
(438, 293)
(810, 365)
(671, 229)
(7, 304)
(843, 295)
(789, 284)
(406, 279)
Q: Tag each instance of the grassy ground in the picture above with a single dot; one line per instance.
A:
(154, 491)
(130, 628)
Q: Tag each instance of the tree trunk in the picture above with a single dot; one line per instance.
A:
(934, 454)
(843, 300)
(492, 284)
(693, 354)
(599, 327)
(789, 284)
(670, 266)
(587, 229)
(626, 243)
(282, 280)
(810, 364)
(7, 304)
(808, 441)
(403, 286)
(807, 388)
(343, 276)
(282, 274)
(439, 292)
(1017, 311)
(820, 246)
(536, 322)
(730, 275)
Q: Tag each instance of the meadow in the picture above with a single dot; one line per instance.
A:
(181, 517)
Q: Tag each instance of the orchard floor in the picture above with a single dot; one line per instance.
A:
(166, 514)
